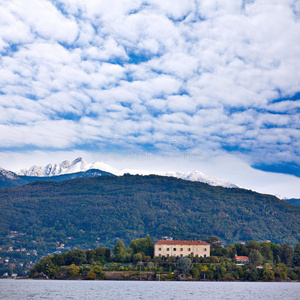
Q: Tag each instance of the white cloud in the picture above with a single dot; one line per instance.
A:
(135, 73)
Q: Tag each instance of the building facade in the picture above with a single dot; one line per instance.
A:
(168, 248)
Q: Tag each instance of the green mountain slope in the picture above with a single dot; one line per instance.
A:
(94, 211)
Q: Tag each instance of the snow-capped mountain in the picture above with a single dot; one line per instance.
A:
(8, 174)
(66, 167)
(80, 165)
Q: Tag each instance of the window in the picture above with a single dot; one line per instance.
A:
(159, 249)
(204, 255)
(189, 249)
(159, 255)
(196, 249)
(205, 249)
(181, 249)
(181, 255)
(174, 249)
(168, 255)
(168, 249)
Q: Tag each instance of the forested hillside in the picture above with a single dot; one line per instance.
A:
(91, 212)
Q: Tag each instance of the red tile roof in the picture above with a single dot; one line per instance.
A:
(241, 258)
(173, 242)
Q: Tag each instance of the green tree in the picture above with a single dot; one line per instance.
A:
(138, 257)
(77, 257)
(286, 254)
(73, 270)
(90, 255)
(255, 257)
(184, 264)
(120, 251)
(296, 259)
(91, 275)
(144, 245)
(195, 273)
(266, 251)
(281, 271)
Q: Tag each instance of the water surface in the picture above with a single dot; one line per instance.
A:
(77, 290)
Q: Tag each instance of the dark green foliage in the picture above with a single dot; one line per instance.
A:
(286, 254)
(296, 259)
(144, 245)
(103, 208)
(184, 264)
(255, 257)
(121, 253)
(76, 257)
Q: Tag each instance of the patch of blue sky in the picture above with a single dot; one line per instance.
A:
(32, 97)
(66, 116)
(143, 6)
(235, 148)
(294, 97)
(180, 19)
(61, 7)
(70, 46)
(291, 168)
(10, 49)
(229, 110)
(138, 58)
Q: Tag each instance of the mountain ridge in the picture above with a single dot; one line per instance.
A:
(80, 165)
(84, 212)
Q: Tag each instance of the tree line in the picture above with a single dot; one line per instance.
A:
(268, 262)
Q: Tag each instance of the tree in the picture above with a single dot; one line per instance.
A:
(212, 240)
(296, 259)
(138, 257)
(255, 257)
(241, 249)
(266, 251)
(195, 273)
(286, 254)
(184, 264)
(77, 257)
(90, 256)
(91, 275)
(120, 251)
(73, 270)
(102, 254)
(252, 245)
(144, 245)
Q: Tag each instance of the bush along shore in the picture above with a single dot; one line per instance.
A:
(266, 262)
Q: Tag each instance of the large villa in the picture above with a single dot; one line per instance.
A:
(169, 248)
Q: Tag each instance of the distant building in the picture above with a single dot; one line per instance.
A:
(241, 259)
(175, 248)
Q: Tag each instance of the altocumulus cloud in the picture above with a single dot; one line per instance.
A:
(220, 76)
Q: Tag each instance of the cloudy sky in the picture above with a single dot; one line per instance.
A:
(208, 85)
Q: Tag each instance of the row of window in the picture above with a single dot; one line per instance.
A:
(181, 249)
(181, 255)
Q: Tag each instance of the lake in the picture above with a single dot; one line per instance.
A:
(77, 290)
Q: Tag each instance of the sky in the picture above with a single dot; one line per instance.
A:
(169, 85)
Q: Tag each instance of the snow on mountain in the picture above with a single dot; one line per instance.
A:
(201, 177)
(8, 174)
(190, 176)
(80, 165)
(66, 167)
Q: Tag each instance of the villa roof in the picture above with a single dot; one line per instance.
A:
(241, 258)
(179, 242)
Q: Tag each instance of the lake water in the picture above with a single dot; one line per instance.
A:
(77, 290)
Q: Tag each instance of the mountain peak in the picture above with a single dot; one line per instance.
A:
(80, 165)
